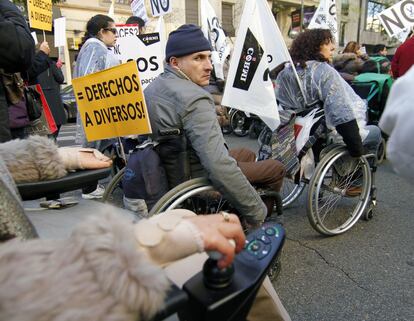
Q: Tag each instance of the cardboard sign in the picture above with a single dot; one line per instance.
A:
(160, 7)
(398, 18)
(60, 32)
(111, 103)
(40, 14)
(145, 49)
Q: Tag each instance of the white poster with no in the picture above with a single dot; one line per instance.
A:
(60, 32)
(397, 19)
(160, 7)
(145, 49)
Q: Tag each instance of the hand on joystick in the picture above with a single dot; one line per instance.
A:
(214, 276)
(216, 233)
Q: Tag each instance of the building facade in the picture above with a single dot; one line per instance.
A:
(356, 18)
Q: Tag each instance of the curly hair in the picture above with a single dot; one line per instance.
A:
(307, 46)
(351, 47)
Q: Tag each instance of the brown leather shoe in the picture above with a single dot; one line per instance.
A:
(353, 191)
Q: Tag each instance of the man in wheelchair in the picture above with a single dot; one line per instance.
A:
(191, 143)
(345, 111)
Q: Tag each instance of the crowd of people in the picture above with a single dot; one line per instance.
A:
(103, 270)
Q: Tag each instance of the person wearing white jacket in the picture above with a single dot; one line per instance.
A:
(397, 122)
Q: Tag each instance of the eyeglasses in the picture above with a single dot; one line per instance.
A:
(113, 30)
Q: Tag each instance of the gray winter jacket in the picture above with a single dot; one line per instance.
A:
(175, 102)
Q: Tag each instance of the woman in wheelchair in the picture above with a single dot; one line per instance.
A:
(108, 269)
(345, 111)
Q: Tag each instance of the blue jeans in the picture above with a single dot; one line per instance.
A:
(373, 140)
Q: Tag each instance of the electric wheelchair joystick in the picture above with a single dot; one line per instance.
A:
(227, 294)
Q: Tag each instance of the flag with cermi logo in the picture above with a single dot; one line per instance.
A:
(259, 48)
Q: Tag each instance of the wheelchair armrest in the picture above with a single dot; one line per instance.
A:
(175, 301)
(70, 182)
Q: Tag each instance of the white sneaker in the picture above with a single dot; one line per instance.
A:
(98, 193)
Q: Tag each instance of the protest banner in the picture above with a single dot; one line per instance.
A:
(259, 48)
(60, 32)
(139, 10)
(160, 7)
(397, 19)
(145, 49)
(214, 32)
(111, 103)
(325, 18)
(40, 14)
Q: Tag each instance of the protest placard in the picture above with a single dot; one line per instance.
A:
(40, 14)
(139, 10)
(325, 18)
(111, 103)
(160, 7)
(60, 32)
(398, 18)
(145, 49)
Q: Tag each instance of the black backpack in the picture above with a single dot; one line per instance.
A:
(145, 176)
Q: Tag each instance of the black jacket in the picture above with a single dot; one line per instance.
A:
(16, 54)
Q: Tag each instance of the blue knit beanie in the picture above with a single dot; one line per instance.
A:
(186, 40)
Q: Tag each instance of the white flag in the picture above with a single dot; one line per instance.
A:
(214, 32)
(160, 28)
(259, 48)
(111, 11)
(325, 18)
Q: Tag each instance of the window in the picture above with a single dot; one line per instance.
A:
(227, 19)
(191, 11)
(122, 2)
(372, 22)
(342, 34)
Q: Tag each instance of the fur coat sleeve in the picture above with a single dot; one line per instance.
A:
(33, 159)
(96, 274)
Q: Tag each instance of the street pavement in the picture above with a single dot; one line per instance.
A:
(367, 274)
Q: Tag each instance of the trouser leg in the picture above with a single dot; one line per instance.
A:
(372, 141)
(267, 305)
(268, 172)
(242, 155)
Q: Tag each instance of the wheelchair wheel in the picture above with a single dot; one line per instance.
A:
(113, 191)
(291, 191)
(339, 192)
(196, 195)
(239, 123)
